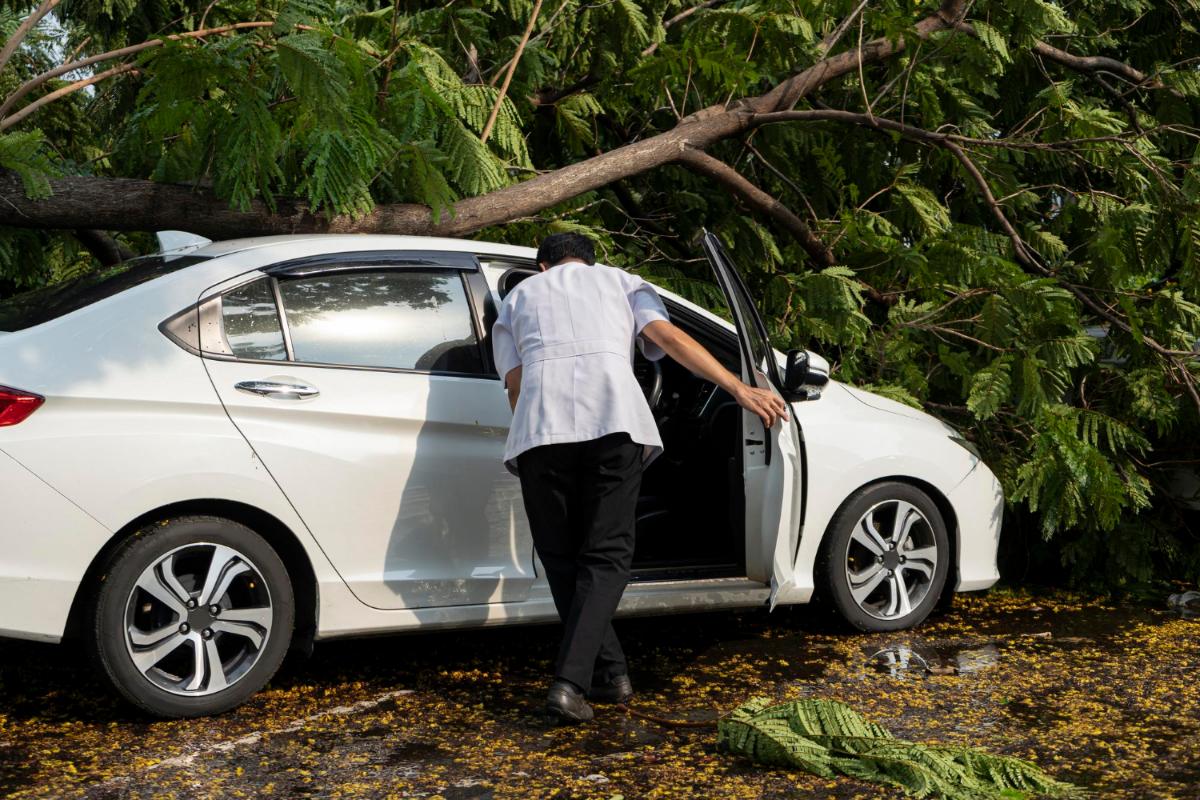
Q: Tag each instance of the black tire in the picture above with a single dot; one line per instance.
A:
(108, 621)
(837, 554)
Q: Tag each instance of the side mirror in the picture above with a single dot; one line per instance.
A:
(800, 379)
(795, 375)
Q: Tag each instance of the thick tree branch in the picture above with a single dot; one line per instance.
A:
(106, 249)
(788, 93)
(131, 204)
(14, 41)
(128, 204)
(703, 164)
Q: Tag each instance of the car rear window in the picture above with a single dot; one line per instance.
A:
(51, 302)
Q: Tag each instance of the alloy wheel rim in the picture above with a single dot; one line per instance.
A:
(198, 619)
(891, 559)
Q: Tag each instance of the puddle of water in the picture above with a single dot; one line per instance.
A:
(902, 660)
(1185, 605)
(895, 661)
(977, 659)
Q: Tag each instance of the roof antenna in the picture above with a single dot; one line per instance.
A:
(177, 240)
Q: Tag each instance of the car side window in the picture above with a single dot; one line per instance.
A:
(399, 319)
(251, 322)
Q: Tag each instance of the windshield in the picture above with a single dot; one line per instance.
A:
(51, 302)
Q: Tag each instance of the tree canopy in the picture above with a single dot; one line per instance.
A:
(989, 210)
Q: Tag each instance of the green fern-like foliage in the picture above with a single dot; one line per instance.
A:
(24, 152)
(828, 738)
(341, 105)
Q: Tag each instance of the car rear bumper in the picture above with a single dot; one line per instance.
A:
(979, 505)
(46, 545)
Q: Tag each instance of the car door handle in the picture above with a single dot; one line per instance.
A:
(278, 390)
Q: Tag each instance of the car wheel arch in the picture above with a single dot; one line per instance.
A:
(281, 538)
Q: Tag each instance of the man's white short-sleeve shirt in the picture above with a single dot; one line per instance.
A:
(573, 329)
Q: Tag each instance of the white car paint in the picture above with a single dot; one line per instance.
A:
(132, 424)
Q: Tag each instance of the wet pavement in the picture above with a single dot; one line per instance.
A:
(1106, 697)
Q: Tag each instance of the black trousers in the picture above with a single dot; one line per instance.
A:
(581, 500)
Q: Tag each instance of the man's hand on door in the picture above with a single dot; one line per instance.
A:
(769, 406)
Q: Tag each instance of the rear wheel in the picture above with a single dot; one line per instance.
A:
(192, 617)
(885, 558)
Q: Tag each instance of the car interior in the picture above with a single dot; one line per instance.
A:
(691, 512)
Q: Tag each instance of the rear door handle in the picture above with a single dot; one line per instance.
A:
(279, 390)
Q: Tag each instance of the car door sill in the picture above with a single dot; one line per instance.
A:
(691, 573)
(648, 598)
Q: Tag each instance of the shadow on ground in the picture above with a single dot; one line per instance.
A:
(1102, 696)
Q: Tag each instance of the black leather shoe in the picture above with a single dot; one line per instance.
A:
(618, 690)
(566, 704)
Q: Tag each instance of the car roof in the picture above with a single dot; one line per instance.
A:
(333, 242)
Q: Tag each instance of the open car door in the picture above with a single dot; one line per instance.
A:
(772, 464)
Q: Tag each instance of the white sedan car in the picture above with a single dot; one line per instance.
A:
(211, 455)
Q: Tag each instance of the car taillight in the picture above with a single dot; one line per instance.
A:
(16, 406)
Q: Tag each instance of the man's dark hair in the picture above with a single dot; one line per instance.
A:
(560, 246)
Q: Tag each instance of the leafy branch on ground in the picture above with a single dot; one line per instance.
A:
(828, 738)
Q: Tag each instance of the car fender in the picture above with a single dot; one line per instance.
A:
(849, 445)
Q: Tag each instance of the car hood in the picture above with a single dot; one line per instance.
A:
(899, 409)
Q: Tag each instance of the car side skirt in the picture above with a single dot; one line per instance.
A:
(342, 619)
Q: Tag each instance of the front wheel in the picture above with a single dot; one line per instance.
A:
(885, 557)
(192, 617)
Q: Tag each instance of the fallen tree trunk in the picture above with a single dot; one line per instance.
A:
(126, 204)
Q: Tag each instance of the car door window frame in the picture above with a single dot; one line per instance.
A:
(465, 265)
(483, 316)
(727, 273)
(284, 327)
(753, 324)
